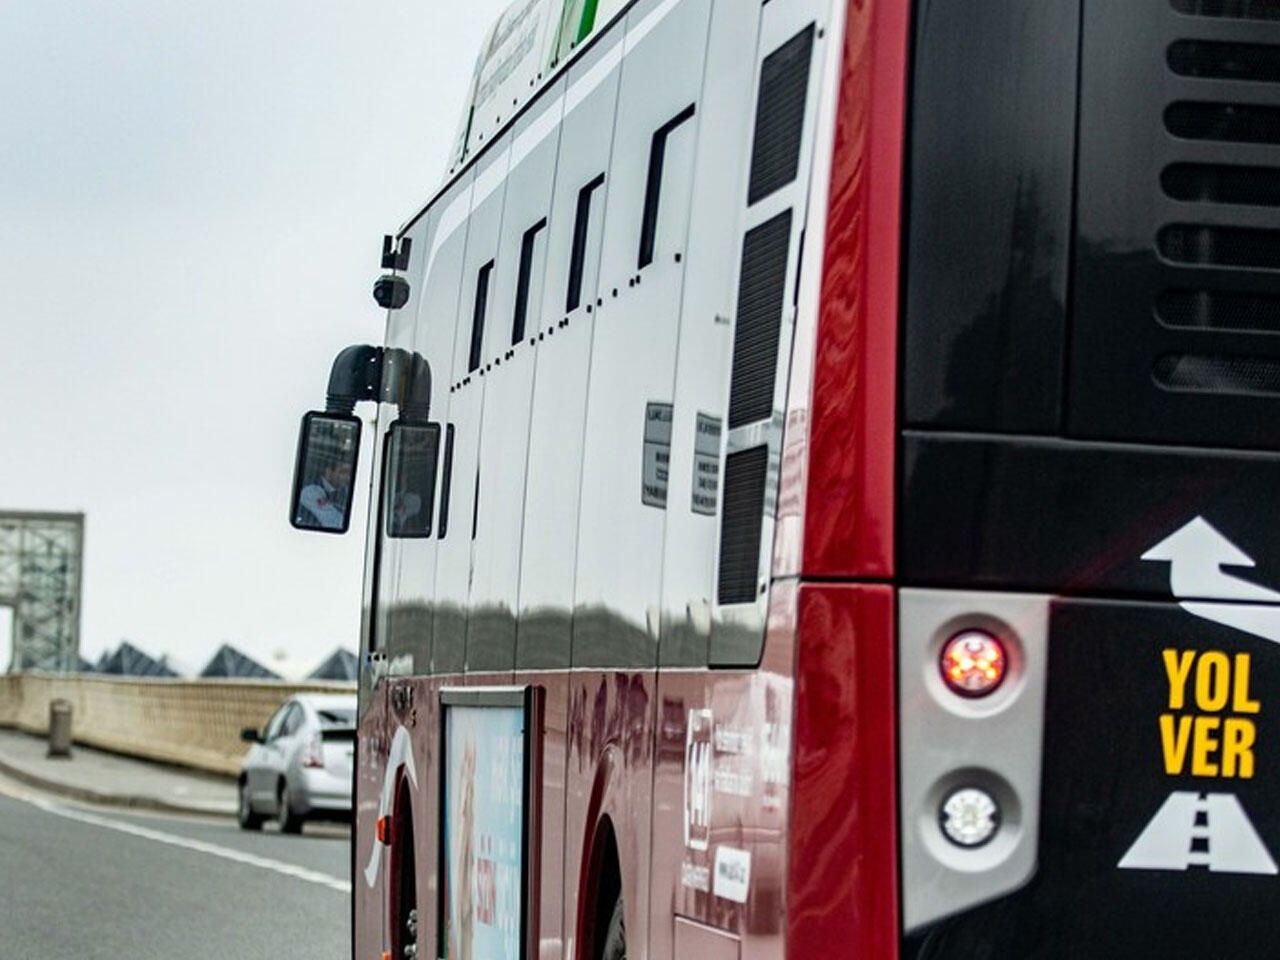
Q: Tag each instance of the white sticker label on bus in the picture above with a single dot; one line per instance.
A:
(733, 874)
(1200, 830)
(695, 877)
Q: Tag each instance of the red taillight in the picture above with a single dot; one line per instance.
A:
(973, 663)
(313, 756)
(384, 831)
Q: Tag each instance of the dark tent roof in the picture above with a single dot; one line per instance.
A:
(129, 661)
(340, 665)
(230, 662)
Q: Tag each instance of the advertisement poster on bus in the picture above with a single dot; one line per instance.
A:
(484, 825)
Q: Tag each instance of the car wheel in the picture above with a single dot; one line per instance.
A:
(245, 816)
(615, 938)
(290, 822)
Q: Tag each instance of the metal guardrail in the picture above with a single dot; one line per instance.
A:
(195, 723)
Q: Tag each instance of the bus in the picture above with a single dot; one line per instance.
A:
(824, 452)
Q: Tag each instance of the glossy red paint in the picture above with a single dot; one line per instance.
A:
(369, 898)
(842, 877)
(609, 774)
(849, 500)
(747, 715)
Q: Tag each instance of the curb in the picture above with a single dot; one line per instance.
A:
(124, 801)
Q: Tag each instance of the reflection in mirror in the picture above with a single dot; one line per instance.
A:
(412, 451)
(328, 446)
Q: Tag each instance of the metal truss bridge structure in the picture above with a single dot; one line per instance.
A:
(41, 559)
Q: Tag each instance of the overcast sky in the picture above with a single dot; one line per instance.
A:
(192, 202)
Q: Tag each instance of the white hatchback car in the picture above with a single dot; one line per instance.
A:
(300, 765)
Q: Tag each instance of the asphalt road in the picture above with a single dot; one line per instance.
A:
(104, 885)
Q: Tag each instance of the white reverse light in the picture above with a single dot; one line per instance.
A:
(969, 817)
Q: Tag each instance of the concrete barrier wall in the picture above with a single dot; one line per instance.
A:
(195, 723)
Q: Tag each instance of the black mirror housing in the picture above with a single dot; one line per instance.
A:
(328, 451)
(250, 735)
(412, 455)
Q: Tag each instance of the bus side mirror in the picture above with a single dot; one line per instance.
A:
(328, 447)
(413, 451)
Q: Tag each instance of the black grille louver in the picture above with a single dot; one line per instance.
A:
(1226, 122)
(1222, 183)
(1237, 248)
(762, 288)
(1242, 376)
(1220, 246)
(1231, 9)
(1225, 61)
(784, 82)
(745, 474)
(1215, 310)
(1179, 342)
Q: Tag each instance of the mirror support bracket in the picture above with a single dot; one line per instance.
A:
(363, 372)
(356, 375)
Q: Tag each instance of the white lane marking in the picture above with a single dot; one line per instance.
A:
(198, 846)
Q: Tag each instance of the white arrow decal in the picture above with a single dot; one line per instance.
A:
(1196, 554)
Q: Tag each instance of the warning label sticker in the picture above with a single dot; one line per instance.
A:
(657, 454)
(706, 465)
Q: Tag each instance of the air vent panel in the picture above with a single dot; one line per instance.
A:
(1176, 304)
(762, 289)
(745, 474)
(784, 83)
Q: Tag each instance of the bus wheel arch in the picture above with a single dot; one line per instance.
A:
(402, 892)
(601, 898)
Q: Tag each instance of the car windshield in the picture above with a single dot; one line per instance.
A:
(337, 717)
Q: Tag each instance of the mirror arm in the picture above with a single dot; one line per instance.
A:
(408, 384)
(356, 375)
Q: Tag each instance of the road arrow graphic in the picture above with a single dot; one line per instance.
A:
(1196, 554)
(1200, 830)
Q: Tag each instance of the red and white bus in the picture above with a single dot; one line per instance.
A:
(822, 450)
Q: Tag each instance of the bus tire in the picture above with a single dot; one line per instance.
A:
(615, 938)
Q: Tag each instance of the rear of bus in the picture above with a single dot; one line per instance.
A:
(1037, 672)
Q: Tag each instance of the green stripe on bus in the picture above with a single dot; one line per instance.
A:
(588, 19)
